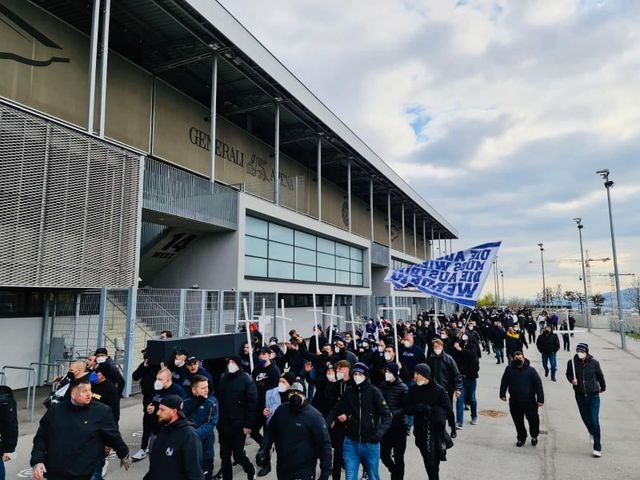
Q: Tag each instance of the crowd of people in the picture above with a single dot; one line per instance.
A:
(334, 405)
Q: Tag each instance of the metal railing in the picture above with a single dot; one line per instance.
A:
(37, 365)
(31, 384)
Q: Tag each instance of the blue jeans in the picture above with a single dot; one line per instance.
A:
(1, 469)
(499, 353)
(589, 407)
(354, 453)
(467, 396)
(97, 475)
(549, 358)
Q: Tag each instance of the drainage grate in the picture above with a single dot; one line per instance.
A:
(492, 413)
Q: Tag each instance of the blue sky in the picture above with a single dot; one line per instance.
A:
(497, 112)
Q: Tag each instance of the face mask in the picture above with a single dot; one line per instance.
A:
(339, 376)
(407, 344)
(465, 338)
(437, 351)
(582, 355)
(93, 377)
(388, 357)
(232, 367)
(420, 383)
(157, 385)
(443, 337)
(358, 379)
(520, 362)
(380, 349)
(295, 402)
(470, 327)
(178, 363)
(337, 349)
(389, 377)
(331, 378)
(101, 359)
(262, 362)
(459, 325)
(282, 387)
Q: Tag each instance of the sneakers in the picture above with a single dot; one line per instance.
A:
(534, 441)
(474, 421)
(365, 476)
(597, 453)
(459, 426)
(139, 455)
(453, 434)
(519, 443)
(264, 471)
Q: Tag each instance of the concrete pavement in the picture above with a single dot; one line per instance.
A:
(487, 450)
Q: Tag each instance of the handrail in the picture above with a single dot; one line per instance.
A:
(31, 384)
(57, 366)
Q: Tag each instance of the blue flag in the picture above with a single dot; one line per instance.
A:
(457, 277)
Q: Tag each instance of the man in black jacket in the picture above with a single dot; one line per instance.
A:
(525, 397)
(368, 417)
(445, 373)
(430, 404)
(72, 435)
(8, 426)
(394, 440)
(146, 375)
(238, 399)
(111, 372)
(467, 357)
(267, 376)
(585, 374)
(176, 453)
(301, 438)
(548, 345)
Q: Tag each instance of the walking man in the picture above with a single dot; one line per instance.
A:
(585, 374)
(525, 397)
(8, 427)
(548, 345)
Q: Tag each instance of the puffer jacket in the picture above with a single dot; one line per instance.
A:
(368, 415)
(395, 393)
(589, 375)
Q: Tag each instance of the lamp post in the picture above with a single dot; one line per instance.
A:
(503, 297)
(544, 286)
(578, 220)
(608, 184)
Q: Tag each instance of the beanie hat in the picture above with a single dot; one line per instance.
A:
(289, 377)
(582, 347)
(101, 351)
(235, 359)
(361, 368)
(172, 401)
(393, 368)
(423, 370)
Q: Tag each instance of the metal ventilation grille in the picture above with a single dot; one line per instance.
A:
(68, 206)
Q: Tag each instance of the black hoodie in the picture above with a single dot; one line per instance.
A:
(523, 383)
(176, 453)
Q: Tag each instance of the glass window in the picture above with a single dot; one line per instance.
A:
(256, 247)
(306, 273)
(257, 227)
(343, 263)
(356, 266)
(280, 233)
(305, 240)
(342, 277)
(327, 276)
(280, 269)
(356, 279)
(356, 253)
(327, 261)
(279, 251)
(326, 246)
(308, 257)
(342, 250)
(255, 267)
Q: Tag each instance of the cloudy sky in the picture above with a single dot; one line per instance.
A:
(498, 112)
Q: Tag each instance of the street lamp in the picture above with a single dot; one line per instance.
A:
(578, 220)
(503, 297)
(544, 286)
(608, 184)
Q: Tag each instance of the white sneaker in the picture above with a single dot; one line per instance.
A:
(474, 421)
(139, 455)
(597, 453)
(104, 469)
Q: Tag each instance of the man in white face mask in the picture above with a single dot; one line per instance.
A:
(585, 374)
(394, 442)
(368, 418)
(446, 374)
(111, 372)
(162, 386)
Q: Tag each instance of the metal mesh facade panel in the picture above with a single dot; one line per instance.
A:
(68, 206)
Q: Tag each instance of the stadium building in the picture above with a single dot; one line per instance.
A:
(159, 167)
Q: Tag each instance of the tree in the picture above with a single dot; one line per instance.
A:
(598, 300)
(486, 300)
(632, 295)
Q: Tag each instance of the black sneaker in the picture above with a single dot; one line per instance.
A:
(453, 433)
(519, 443)
(264, 471)
(251, 474)
(217, 476)
(534, 441)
